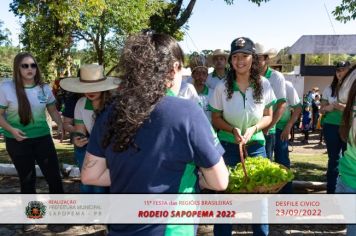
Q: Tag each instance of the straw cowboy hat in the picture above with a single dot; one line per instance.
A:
(261, 50)
(217, 52)
(197, 61)
(92, 79)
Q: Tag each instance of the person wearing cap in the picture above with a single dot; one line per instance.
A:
(219, 60)
(284, 126)
(96, 89)
(241, 108)
(332, 116)
(149, 140)
(277, 82)
(25, 100)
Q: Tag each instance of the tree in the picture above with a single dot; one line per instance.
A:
(172, 18)
(4, 35)
(346, 11)
(51, 28)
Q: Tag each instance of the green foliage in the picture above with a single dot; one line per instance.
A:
(51, 28)
(346, 11)
(165, 21)
(7, 55)
(260, 171)
(258, 2)
(4, 35)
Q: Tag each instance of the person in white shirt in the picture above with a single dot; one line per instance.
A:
(277, 81)
(219, 61)
(96, 89)
(241, 108)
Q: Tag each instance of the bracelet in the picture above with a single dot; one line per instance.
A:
(232, 130)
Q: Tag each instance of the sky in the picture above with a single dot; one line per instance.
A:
(214, 24)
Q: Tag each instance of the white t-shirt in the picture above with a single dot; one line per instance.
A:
(345, 87)
(292, 102)
(188, 91)
(277, 82)
(204, 101)
(241, 111)
(211, 81)
(327, 95)
(84, 113)
(38, 97)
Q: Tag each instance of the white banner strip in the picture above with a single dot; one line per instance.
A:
(178, 208)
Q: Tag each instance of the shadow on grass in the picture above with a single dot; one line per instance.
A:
(309, 171)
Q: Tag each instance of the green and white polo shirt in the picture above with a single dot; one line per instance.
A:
(347, 164)
(84, 113)
(213, 79)
(204, 97)
(333, 117)
(241, 111)
(39, 98)
(277, 82)
(293, 101)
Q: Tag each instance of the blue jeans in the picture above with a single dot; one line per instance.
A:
(281, 156)
(231, 158)
(270, 144)
(79, 153)
(341, 187)
(335, 147)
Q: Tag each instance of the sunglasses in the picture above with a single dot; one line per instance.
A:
(26, 66)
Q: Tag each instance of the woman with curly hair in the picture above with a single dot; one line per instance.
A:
(241, 107)
(152, 141)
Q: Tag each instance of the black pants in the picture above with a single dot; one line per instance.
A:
(26, 153)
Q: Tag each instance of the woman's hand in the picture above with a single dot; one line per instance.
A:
(286, 133)
(249, 132)
(238, 137)
(339, 106)
(329, 108)
(18, 134)
(80, 141)
(60, 130)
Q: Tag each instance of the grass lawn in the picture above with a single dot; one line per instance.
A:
(64, 151)
(307, 167)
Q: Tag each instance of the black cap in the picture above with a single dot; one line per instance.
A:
(244, 45)
(342, 64)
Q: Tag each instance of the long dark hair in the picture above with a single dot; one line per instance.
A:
(24, 108)
(346, 124)
(255, 79)
(333, 86)
(146, 67)
(343, 79)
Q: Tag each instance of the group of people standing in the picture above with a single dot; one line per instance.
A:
(142, 138)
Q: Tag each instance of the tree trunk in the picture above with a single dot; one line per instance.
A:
(186, 14)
